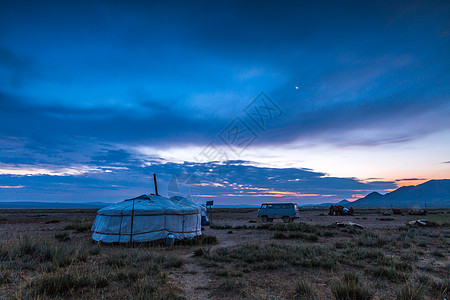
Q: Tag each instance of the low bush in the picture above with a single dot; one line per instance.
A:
(118, 260)
(54, 221)
(388, 273)
(410, 291)
(275, 256)
(302, 227)
(155, 287)
(79, 226)
(174, 262)
(296, 235)
(304, 290)
(372, 240)
(62, 237)
(60, 283)
(199, 252)
(351, 289)
(213, 226)
(437, 253)
(200, 240)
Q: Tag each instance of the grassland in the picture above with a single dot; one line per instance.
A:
(48, 254)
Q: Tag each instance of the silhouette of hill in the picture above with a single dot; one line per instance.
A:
(436, 193)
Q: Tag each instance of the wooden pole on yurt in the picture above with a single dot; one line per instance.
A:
(132, 221)
(156, 185)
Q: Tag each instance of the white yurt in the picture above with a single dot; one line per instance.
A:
(147, 218)
(205, 219)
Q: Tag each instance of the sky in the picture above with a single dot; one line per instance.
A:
(240, 102)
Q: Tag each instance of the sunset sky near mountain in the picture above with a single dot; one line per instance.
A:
(237, 101)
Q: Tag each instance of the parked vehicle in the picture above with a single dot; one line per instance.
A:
(286, 211)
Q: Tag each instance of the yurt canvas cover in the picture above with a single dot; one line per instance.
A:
(146, 218)
(204, 214)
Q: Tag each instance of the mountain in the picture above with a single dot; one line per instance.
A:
(436, 193)
(322, 205)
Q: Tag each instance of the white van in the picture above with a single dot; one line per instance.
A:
(286, 211)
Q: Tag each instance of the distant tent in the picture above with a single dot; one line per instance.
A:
(205, 220)
(147, 218)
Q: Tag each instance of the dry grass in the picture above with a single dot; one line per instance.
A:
(54, 260)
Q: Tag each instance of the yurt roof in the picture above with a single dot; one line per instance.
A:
(150, 205)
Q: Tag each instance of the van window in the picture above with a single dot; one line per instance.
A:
(264, 206)
(269, 206)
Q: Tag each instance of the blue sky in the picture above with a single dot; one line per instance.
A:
(97, 96)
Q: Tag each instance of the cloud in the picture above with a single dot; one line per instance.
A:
(11, 187)
(121, 174)
(78, 97)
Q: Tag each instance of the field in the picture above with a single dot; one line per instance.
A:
(49, 254)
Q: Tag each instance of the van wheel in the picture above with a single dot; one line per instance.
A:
(270, 220)
(286, 219)
(265, 219)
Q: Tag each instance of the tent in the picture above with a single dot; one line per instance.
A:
(205, 219)
(147, 218)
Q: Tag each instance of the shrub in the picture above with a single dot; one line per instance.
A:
(302, 227)
(5, 276)
(437, 253)
(28, 250)
(220, 226)
(279, 236)
(94, 250)
(304, 290)
(342, 245)
(60, 283)
(79, 226)
(128, 276)
(229, 285)
(174, 262)
(198, 252)
(387, 273)
(62, 237)
(296, 235)
(208, 240)
(351, 289)
(52, 221)
(410, 291)
(200, 240)
(372, 240)
(155, 287)
(264, 226)
(118, 260)
(276, 256)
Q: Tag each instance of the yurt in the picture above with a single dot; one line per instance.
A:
(147, 218)
(205, 219)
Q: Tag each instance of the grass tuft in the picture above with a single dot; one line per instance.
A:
(369, 239)
(61, 283)
(351, 289)
(79, 226)
(304, 290)
(62, 237)
(410, 291)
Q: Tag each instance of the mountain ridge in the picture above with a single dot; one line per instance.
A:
(435, 193)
